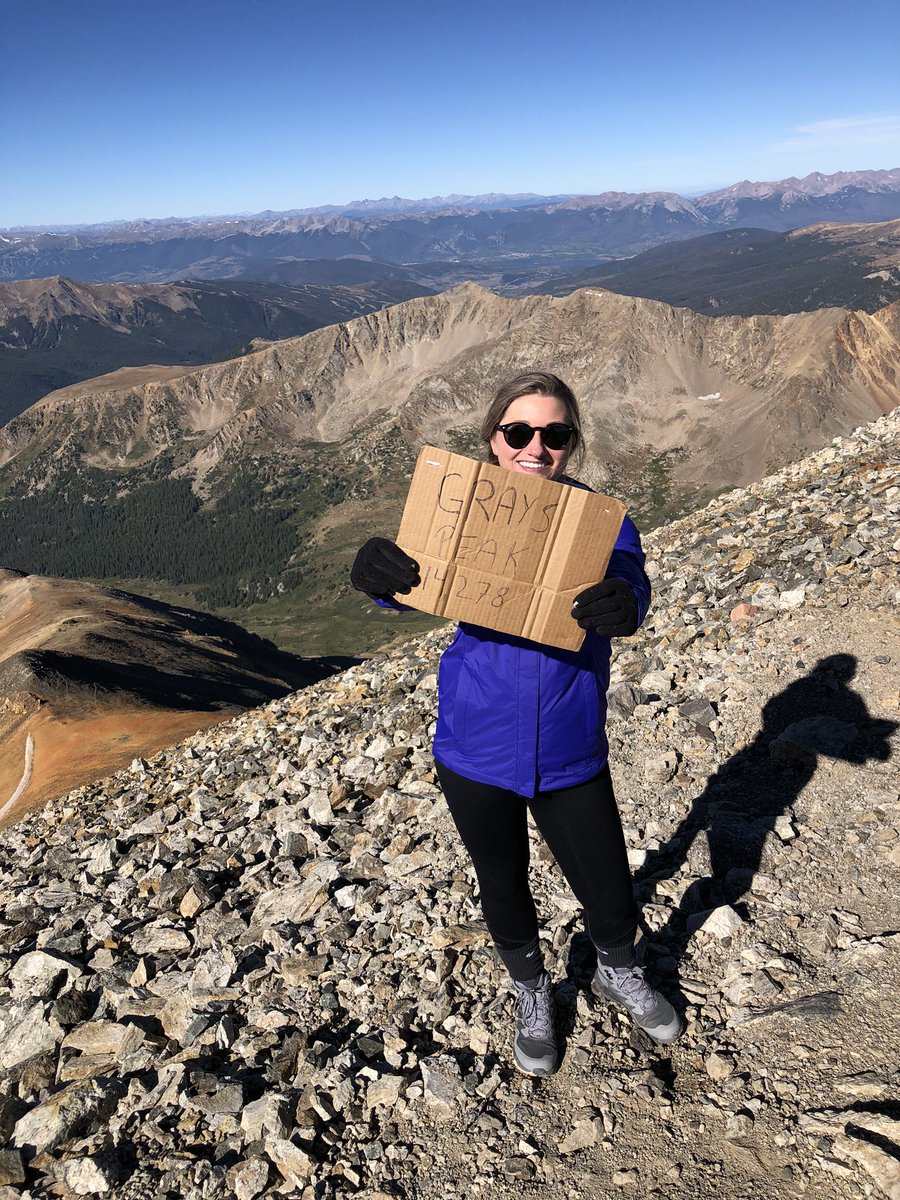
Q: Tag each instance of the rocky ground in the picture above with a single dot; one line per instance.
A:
(255, 964)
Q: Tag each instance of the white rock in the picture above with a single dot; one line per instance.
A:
(100, 861)
(264, 1117)
(739, 1124)
(581, 1136)
(294, 1164)
(625, 1178)
(722, 922)
(158, 939)
(661, 768)
(296, 902)
(65, 1114)
(784, 828)
(384, 1091)
(104, 1037)
(657, 683)
(319, 807)
(37, 972)
(793, 598)
(378, 747)
(873, 1155)
(25, 1032)
(479, 1038)
(719, 1066)
(359, 767)
(248, 1178)
(87, 1177)
(346, 897)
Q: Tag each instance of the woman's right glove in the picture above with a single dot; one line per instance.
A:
(609, 607)
(381, 569)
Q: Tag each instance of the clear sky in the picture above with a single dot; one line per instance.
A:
(117, 110)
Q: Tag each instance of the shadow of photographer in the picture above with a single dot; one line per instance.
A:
(817, 715)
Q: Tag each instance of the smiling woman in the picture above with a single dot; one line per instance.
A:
(521, 728)
(546, 405)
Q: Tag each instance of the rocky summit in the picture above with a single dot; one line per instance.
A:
(255, 965)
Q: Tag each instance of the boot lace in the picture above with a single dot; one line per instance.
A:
(633, 987)
(535, 1010)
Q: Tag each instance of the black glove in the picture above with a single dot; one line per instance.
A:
(381, 568)
(609, 608)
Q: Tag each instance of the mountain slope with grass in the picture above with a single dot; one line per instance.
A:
(750, 271)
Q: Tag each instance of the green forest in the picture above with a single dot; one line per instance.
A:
(239, 547)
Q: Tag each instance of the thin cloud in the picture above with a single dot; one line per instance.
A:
(841, 133)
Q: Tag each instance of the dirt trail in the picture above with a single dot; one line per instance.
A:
(72, 751)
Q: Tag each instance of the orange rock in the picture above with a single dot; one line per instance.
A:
(743, 610)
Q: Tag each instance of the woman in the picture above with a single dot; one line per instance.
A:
(521, 728)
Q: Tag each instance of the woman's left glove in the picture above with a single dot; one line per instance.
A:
(610, 608)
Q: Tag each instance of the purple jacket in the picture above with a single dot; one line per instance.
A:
(528, 717)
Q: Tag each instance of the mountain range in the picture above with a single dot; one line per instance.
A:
(520, 242)
(55, 332)
(274, 466)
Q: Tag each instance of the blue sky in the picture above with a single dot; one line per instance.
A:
(118, 111)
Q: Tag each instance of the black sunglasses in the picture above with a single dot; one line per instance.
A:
(518, 434)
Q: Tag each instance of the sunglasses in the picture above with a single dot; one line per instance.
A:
(518, 434)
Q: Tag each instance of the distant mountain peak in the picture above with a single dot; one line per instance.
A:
(814, 184)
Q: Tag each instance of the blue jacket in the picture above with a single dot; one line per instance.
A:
(528, 717)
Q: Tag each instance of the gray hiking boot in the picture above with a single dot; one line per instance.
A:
(648, 1009)
(534, 1048)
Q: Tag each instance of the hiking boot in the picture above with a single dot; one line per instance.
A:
(534, 1048)
(648, 1009)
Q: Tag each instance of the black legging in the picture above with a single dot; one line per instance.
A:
(580, 824)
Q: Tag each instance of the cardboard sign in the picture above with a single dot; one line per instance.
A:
(499, 549)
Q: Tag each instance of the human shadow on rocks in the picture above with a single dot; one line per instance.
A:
(817, 715)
